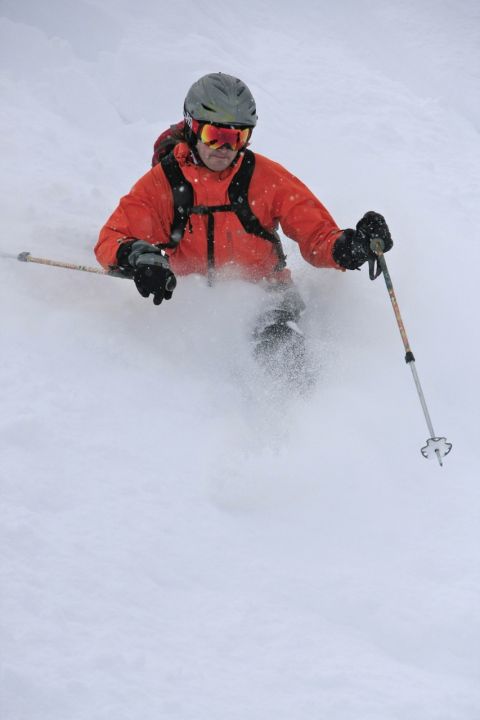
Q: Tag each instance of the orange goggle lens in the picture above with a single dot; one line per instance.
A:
(216, 137)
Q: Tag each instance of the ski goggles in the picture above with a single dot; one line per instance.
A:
(216, 136)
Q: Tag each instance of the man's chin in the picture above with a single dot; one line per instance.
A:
(218, 163)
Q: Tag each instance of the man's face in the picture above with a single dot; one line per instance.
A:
(216, 160)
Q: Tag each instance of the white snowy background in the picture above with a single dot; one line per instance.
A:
(178, 541)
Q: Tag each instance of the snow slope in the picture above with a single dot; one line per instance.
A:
(178, 541)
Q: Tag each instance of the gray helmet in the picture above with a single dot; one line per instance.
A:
(223, 99)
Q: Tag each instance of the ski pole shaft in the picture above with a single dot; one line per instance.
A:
(439, 445)
(27, 257)
(393, 298)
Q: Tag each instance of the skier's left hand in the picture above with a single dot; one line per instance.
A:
(353, 248)
(372, 226)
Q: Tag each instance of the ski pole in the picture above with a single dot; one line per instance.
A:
(27, 257)
(113, 272)
(435, 445)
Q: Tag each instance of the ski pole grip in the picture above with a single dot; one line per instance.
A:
(23, 256)
(376, 244)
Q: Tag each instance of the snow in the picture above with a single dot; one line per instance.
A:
(179, 540)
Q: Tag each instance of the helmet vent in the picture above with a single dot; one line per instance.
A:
(207, 107)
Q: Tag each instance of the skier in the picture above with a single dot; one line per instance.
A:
(210, 205)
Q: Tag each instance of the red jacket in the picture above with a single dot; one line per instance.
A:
(275, 196)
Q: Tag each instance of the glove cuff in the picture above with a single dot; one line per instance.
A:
(123, 252)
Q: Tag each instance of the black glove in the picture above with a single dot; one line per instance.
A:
(353, 247)
(151, 269)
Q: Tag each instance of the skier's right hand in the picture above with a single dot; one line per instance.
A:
(151, 269)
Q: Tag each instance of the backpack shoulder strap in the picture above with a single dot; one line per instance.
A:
(238, 194)
(182, 192)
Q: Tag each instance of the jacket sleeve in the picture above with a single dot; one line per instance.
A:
(304, 219)
(144, 213)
